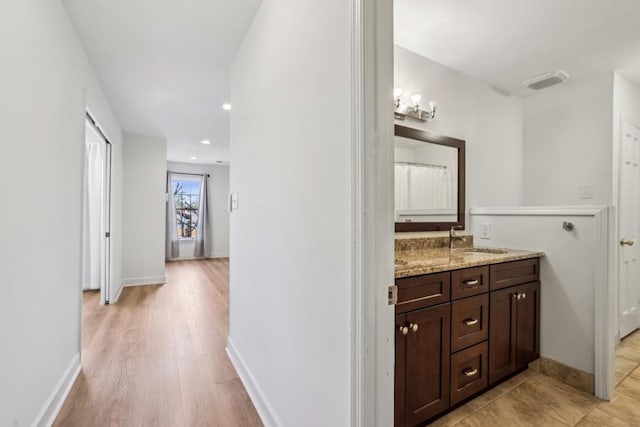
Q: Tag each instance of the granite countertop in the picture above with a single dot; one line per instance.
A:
(414, 261)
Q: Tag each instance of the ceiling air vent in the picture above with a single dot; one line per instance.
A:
(545, 80)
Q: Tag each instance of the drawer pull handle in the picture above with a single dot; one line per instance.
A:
(470, 283)
(470, 322)
(470, 372)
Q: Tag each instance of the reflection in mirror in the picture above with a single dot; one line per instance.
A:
(429, 181)
(426, 181)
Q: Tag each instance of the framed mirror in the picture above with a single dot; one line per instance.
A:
(429, 181)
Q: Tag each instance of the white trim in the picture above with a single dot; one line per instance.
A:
(379, 212)
(193, 258)
(604, 296)
(49, 411)
(539, 211)
(117, 297)
(219, 255)
(265, 409)
(140, 281)
(358, 232)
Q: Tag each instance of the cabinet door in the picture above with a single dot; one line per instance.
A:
(502, 333)
(528, 324)
(427, 363)
(399, 385)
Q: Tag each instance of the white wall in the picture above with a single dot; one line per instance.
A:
(290, 238)
(568, 143)
(468, 109)
(218, 207)
(567, 275)
(46, 84)
(144, 196)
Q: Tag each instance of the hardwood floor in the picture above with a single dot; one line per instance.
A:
(157, 357)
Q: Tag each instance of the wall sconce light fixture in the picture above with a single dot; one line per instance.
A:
(403, 109)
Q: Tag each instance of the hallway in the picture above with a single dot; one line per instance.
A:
(157, 357)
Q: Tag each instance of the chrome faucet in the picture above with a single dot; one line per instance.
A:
(454, 237)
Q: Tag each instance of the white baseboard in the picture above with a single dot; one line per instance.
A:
(220, 255)
(265, 410)
(192, 258)
(140, 281)
(49, 411)
(117, 297)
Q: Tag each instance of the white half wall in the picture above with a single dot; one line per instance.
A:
(468, 109)
(290, 271)
(218, 207)
(569, 272)
(568, 143)
(145, 170)
(47, 84)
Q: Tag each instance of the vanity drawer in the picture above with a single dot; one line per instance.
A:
(469, 322)
(468, 372)
(469, 282)
(514, 273)
(423, 291)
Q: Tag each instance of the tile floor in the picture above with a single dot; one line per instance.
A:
(533, 399)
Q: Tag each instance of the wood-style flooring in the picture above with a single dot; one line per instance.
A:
(157, 357)
(533, 399)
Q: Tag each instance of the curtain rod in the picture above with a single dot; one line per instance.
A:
(424, 165)
(195, 174)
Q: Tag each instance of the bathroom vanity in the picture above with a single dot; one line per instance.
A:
(466, 319)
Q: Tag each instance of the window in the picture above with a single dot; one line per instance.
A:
(186, 194)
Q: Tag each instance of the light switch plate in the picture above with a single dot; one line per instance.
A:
(485, 231)
(233, 202)
(586, 191)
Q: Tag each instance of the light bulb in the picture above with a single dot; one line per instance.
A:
(416, 99)
(397, 92)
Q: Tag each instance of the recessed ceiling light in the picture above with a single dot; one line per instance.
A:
(193, 158)
(226, 107)
(205, 142)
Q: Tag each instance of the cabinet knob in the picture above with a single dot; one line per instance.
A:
(413, 327)
(516, 296)
(524, 295)
(470, 322)
(470, 372)
(404, 330)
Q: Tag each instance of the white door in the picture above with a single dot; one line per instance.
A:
(629, 205)
(97, 215)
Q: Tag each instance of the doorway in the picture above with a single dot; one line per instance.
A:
(96, 227)
(629, 231)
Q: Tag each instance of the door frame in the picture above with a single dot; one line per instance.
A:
(372, 219)
(105, 227)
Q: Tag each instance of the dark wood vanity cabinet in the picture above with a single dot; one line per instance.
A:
(466, 333)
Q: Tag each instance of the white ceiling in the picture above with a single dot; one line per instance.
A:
(165, 66)
(504, 42)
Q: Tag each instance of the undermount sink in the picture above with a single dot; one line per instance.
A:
(484, 251)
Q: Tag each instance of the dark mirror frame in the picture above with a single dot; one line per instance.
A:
(433, 138)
